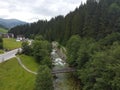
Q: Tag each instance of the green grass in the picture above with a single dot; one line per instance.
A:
(10, 43)
(2, 30)
(29, 62)
(1, 51)
(14, 77)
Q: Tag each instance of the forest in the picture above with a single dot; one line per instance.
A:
(91, 35)
(1, 43)
(95, 18)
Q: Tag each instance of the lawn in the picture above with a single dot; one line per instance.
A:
(1, 51)
(2, 30)
(14, 77)
(10, 43)
(29, 62)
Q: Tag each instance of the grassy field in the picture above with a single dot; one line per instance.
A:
(29, 62)
(14, 77)
(10, 43)
(1, 51)
(2, 30)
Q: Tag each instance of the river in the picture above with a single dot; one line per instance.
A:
(63, 81)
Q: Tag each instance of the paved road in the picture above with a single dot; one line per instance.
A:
(8, 55)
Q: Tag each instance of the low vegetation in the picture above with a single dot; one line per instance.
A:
(29, 62)
(14, 77)
(40, 49)
(10, 44)
(91, 34)
(1, 51)
(2, 30)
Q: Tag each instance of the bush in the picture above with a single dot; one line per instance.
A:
(26, 49)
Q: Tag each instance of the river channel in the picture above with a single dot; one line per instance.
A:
(62, 81)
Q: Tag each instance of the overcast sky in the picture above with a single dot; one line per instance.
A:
(33, 10)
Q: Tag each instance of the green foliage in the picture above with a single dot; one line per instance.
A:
(26, 49)
(1, 43)
(41, 49)
(97, 68)
(44, 79)
(96, 19)
(86, 49)
(97, 60)
(39, 37)
(1, 51)
(80, 50)
(101, 71)
(110, 39)
(47, 61)
(73, 45)
(114, 8)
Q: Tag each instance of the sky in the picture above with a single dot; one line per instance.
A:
(33, 10)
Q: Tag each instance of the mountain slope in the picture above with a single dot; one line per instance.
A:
(3, 30)
(93, 19)
(10, 23)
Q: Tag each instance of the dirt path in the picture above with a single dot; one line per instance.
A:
(24, 67)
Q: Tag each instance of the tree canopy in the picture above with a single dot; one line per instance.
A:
(44, 79)
(1, 43)
(96, 19)
(91, 34)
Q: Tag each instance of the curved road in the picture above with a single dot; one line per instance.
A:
(8, 55)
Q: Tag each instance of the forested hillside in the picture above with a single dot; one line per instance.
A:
(10, 23)
(1, 43)
(91, 34)
(96, 19)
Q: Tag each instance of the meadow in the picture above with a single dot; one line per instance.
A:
(11, 43)
(29, 62)
(14, 77)
(1, 51)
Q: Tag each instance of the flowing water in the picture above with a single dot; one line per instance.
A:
(63, 81)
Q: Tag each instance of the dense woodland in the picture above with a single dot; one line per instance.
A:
(91, 35)
(1, 43)
(97, 63)
(96, 18)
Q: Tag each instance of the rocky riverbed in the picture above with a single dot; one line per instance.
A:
(62, 81)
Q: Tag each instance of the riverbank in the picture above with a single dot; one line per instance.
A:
(62, 81)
